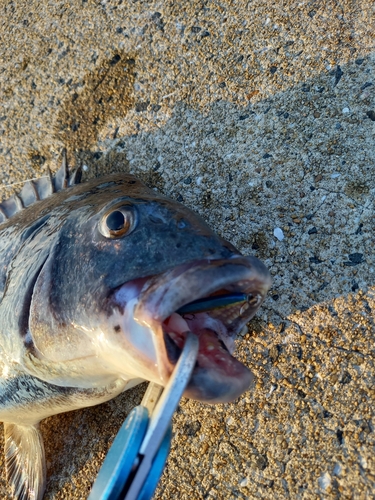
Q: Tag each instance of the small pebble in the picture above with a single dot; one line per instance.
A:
(278, 233)
(367, 84)
(346, 110)
(356, 257)
(337, 469)
(324, 481)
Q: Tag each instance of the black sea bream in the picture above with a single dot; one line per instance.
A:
(91, 276)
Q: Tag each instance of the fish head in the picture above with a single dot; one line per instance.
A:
(126, 259)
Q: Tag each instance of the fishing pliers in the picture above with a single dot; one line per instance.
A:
(136, 459)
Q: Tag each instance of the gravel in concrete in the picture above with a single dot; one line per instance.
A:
(260, 116)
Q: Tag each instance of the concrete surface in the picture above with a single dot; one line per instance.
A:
(259, 115)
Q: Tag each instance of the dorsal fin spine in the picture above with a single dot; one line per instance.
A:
(76, 176)
(62, 175)
(19, 202)
(50, 176)
(39, 190)
(35, 190)
(65, 168)
(3, 213)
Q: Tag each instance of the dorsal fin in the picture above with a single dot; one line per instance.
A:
(40, 189)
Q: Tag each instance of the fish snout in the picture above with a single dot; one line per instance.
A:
(218, 377)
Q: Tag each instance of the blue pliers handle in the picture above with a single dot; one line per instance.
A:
(136, 459)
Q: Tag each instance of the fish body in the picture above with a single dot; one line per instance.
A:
(91, 277)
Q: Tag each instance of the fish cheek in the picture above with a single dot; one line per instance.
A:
(53, 338)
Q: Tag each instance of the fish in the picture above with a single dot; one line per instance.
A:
(92, 275)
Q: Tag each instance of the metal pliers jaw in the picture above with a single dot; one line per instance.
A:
(136, 459)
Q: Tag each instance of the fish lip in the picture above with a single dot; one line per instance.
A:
(164, 294)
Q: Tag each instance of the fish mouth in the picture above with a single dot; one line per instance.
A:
(217, 377)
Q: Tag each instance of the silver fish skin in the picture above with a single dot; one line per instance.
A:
(91, 276)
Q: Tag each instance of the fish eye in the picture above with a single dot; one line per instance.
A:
(118, 222)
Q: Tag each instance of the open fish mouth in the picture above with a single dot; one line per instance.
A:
(217, 377)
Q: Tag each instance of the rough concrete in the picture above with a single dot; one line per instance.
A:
(259, 115)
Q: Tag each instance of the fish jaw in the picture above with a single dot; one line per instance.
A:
(154, 334)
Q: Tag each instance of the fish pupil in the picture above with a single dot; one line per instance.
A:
(115, 221)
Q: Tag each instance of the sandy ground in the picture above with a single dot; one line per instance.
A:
(259, 115)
